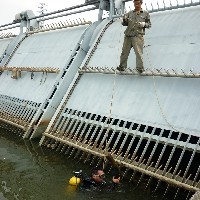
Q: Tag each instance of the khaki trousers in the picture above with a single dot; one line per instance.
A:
(137, 42)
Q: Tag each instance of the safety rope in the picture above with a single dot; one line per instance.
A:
(109, 116)
(156, 93)
(111, 102)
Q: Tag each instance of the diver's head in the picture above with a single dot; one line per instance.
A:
(101, 174)
(98, 176)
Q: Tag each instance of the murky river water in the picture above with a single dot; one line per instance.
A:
(30, 172)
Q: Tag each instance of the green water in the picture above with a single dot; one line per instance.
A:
(30, 172)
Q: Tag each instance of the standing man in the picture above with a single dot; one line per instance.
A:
(136, 21)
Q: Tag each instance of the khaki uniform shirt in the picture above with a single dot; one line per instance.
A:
(132, 19)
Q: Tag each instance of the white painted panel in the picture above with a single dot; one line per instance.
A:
(162, 102)
(173, 42)
(48, 49)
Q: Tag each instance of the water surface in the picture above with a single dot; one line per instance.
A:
(29, 172)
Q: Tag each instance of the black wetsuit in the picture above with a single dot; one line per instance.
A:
(88, 183)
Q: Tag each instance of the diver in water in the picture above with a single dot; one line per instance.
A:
(96, 181)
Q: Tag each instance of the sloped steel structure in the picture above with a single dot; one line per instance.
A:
(64, 78)
(44, 60)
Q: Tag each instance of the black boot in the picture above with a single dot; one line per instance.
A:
(140, 71)
(120, 68)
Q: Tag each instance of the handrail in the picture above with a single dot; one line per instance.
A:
(55, 12)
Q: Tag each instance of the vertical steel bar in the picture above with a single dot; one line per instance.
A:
(155, 146)
(69, 148)
(196, 176)
(170, 3)
(166, 190)
(119, 136)
(6, 107)
(77, 119)
(66, 116)
(89, 131)
(101, 131)
(147, 145)
(105, 138)
(72, 120)
(131, 142)
(16, 109)
(60, 124)
(191, 159)
(151, 6)
(23, 111)
(31, 107)
(28, 109)
(146, 6)
(164, 4)
(63, 148)
(181, 156)
(92, 160)
(83, 118)
(87, 158)
(72, 152)
(125, 138)
(163, 149)
(54, 125)
(77, 154)
(158, 5)
(171, 154)
(84, 127)
(32, 113)
(176, 193)
(59, 146)
(95, 130)
(139, 143)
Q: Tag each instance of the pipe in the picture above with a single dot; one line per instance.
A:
(66, 9)
(71, 13)
(3, 29)
(55, 12)
(112, 7)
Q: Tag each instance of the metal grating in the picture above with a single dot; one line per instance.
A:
(166, 155)
(16, 111)
(147, 72)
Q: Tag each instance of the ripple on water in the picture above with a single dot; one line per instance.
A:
(28, 172)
